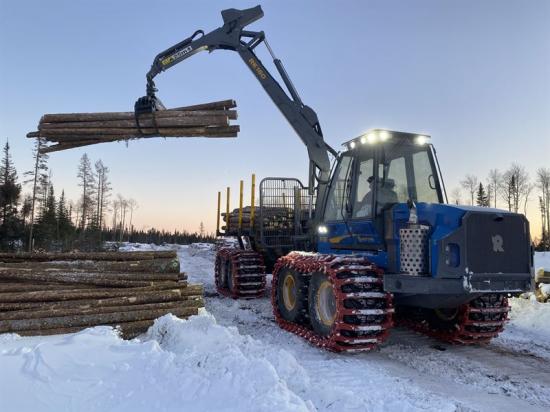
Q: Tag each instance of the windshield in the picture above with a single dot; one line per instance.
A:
(405, 171)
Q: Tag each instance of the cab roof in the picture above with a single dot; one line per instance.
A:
(374, 136)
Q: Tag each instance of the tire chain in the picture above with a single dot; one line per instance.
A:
(477, 322)
(363, 310)
(247, 270)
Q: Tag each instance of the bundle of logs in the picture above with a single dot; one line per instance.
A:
(71, 130)
(272, 217)
(46, 294)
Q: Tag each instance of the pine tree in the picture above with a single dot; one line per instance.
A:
(482, 198)
(46, 227)
(103, 192)
(201, 229)
(11, 227)
(38, 176)
(65, 227)
(87, 183)
(26, 208)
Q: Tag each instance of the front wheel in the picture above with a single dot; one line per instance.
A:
(291, 295)
(322, 304)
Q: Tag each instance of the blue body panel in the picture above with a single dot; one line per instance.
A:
(442, 219)
(363, 234)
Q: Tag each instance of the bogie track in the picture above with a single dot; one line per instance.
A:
(476, 322)
(240, 273)
(362, 310)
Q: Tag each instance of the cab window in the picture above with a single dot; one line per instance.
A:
(338, 195)
(363, 192)
(426, 189)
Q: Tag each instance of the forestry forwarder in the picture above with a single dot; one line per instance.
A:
(380, 244)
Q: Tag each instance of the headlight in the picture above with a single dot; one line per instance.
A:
(421, 140)
(384, 135)
(322, 229)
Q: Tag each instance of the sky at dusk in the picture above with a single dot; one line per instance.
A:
(475, 75)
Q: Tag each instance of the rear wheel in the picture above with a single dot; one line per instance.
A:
(322, 304)
(291, 295)
(220, 270)
(229, 276)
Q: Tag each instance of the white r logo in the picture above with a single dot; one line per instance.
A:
(497, 243)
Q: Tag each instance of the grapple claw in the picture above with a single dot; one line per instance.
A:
(148, 104)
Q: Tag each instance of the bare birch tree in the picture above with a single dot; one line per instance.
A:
(515, 186)
(456, 196)
(543, 184)
(494, 185)
(132, 205)
(470, 183)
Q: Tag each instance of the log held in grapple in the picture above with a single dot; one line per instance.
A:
(72, 130)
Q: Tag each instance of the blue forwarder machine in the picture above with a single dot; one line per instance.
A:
(371, 241)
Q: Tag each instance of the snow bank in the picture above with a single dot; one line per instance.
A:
(144, 247)
(197, 260)
(542, 261)
(531, 316)
(529, 327)
(192, 364)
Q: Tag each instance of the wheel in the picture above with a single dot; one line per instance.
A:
(291, 296)
(227, 276)
(322, 304)
(220, 272)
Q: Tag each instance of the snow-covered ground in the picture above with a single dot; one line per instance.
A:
(542, 261)
(233, 357)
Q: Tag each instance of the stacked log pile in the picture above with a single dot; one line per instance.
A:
(46, 294)
(273, 217)
(71, 130)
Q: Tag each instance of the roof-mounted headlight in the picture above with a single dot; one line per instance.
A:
(421, 140)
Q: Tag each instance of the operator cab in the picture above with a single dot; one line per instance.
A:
(377, 170)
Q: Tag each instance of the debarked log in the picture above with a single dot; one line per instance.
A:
(63, 295)
(89, 320)
(95, 310)
(134, 298)
(116, 256)
(100, 279)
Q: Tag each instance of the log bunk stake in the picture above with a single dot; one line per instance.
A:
(71, 130)
(52, 293)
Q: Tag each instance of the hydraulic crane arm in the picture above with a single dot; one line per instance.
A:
(232, 36)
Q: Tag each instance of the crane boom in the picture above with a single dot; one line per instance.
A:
(232, 36)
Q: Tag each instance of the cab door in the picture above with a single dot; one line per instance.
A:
(348, 219)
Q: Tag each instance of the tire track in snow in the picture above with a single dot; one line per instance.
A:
(486, 368)
(459, 378)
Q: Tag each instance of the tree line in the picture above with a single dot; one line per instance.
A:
(511, 189)
(40, 220)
